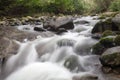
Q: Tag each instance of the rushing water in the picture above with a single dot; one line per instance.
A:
(60, 57)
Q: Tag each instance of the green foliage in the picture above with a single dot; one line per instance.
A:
(57, 6)
(102, 5)
(36, 6)
(115, 5)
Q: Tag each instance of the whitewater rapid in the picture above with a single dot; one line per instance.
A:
(60, 57)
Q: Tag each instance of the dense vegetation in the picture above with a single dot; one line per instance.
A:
(57, 6)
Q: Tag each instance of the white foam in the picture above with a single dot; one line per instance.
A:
(41, 71)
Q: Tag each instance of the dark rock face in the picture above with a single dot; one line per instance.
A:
(105, 25)
(107, 42)
(117, 40)
(39, 29)
(86, 77)
(111, 57)
(96, 36)
(116, 20)
(98, 49)
(57, 24)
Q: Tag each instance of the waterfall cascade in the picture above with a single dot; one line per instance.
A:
(60, 57)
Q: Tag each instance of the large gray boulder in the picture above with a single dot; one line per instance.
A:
(111, 57)
(58, 24)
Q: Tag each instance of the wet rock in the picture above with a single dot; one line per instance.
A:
(106, 69)
(117, 40)
(8, 47)
(2, 23)
(61, 30)
(30, 20)
(107, 42)
(96, 36)
(8, 35)
(86, 77)
(39, 29)
(104, 25)
(72, 63)
(103, 44)
(111, 57)
(108, 33)
(98, 49)
(55, 24)
(89, 78)
(116, 21)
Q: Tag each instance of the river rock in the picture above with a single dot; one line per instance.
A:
(72, 63)
(98, 49)
(116, 20)
(61, 22)
(14, 22)
(8, 47)
(104, 25)
(39, 29)
(111, 57)
(103, 44)
(30, 20)
(85, 77)
(96, 36)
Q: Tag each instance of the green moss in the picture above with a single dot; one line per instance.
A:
(108, 21)
(112, 60)
(98, 49)
(102, 17)
(117, 40)
(107, 33)
(107, 42)
(115, 5)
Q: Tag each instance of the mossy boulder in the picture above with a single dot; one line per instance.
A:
(107, 42)
(117, 40)
(104, 25)
(59, 23)
(111, 57)
(103, 44)
(116, 20)
(108, 33)
(72, 62)
(98, 49)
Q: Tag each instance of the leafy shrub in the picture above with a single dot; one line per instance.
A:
(102, 5)
(115, 5)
